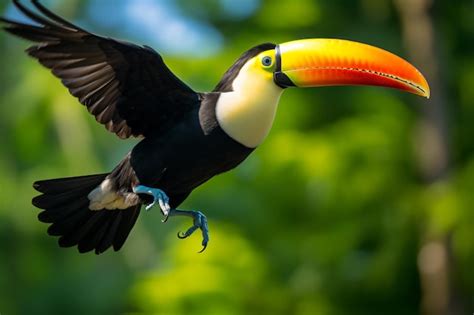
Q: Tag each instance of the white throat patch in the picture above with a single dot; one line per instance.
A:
(247, 113)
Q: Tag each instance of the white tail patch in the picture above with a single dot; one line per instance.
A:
(105, 197)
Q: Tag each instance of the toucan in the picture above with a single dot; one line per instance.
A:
(187, 137)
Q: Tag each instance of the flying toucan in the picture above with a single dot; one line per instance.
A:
(187, 137)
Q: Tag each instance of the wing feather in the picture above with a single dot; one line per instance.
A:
(128, 88)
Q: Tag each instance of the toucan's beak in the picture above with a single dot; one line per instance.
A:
(323, 62)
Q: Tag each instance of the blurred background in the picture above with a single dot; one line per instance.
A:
(359, 202)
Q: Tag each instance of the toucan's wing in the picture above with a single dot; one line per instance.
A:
(128, 88)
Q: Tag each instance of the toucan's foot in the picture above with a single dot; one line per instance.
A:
(199, 222)
(158, 196)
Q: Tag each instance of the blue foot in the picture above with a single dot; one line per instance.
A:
(158, 195)
(199, 222)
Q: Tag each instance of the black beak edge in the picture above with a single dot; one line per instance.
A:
(279, 77)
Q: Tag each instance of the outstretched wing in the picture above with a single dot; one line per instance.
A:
(128, 88)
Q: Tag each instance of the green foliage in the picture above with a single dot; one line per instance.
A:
(325, 218)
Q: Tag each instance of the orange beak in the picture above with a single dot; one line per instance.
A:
(324, 62)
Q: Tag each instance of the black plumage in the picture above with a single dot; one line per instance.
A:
(130, 90)
(127, 87)
(66, 207)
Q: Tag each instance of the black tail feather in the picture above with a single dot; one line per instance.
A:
(59, 213)
(60, 185)
(126, 223)
(66, 206)
(109, 233)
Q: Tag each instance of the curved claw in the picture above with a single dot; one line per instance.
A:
(200, 222)
(149, 206)
(182, 235)
(165, 219)
(203, 248)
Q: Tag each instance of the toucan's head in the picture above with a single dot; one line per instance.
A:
(257, 79)
(325, 62)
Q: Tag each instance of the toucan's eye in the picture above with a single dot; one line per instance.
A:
(267, 61)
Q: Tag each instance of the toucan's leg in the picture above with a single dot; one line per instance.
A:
(199, 219)
(199, 222)
(158, 195)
